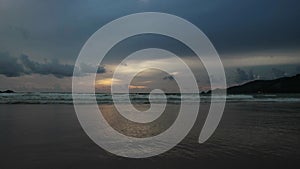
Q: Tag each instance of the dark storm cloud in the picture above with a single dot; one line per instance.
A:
(14, 67)
(53, 67)
(138, 42)
(9, 66)
(85, 68)
(248, 26)
(57, 69)
(169, 77)
(232, 25)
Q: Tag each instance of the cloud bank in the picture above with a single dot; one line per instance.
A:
(9, 66)
(23, 65)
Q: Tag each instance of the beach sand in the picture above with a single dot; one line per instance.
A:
(250, 135)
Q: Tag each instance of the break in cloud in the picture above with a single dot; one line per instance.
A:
(15, 67)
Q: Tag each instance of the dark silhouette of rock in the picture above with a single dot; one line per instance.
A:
(281, 85)
(7, 91)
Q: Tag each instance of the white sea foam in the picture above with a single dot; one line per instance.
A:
(66, 98)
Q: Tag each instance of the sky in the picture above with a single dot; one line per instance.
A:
(40, 41)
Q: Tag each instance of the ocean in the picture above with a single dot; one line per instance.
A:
(105, 98)
(41, 130)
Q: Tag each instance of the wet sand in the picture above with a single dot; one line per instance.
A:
(251, 134)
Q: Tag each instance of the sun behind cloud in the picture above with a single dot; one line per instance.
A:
(107, 81)
(137, 87)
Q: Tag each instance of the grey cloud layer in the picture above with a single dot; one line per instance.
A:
(232, 25)
(53, 67)
(9, 66)
(14, 67)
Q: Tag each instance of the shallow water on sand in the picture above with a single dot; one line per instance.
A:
(251, 134)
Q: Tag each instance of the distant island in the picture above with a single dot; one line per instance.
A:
(281, 85)
(7, 91)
